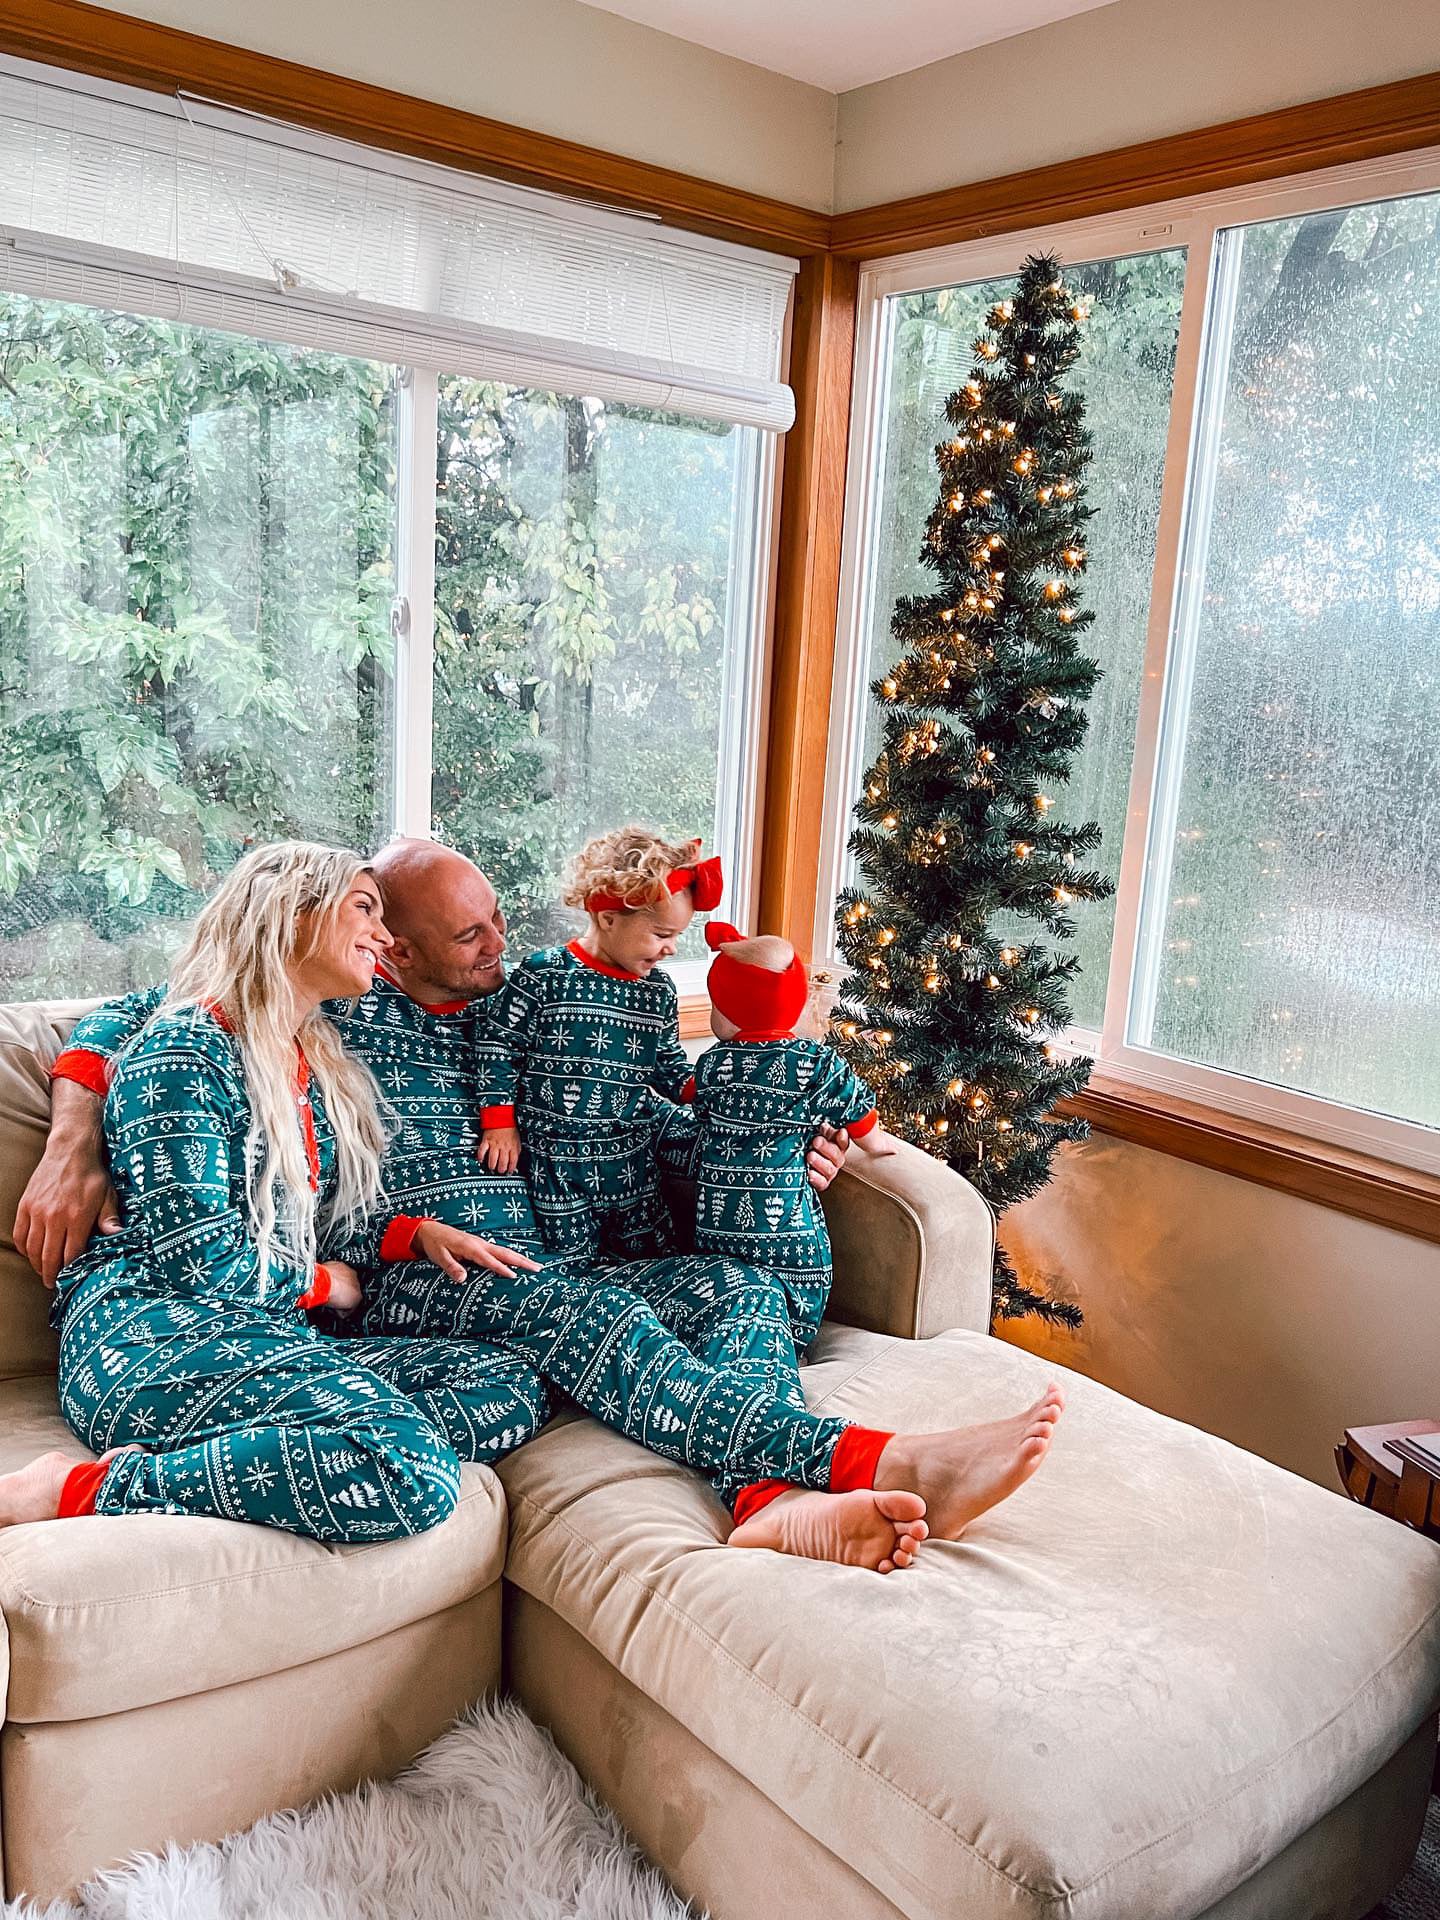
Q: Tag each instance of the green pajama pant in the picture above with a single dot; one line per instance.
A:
(252, 1415)
(689, 1356)
(597, 1192)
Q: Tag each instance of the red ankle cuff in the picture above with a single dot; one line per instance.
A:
(82, 1484)
(758, 1494)
(856, 1456)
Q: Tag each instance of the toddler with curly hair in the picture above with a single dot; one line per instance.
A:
(591, 1031)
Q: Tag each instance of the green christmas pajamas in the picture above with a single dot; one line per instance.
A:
(590, 1048)
(173, 1339)
(759, 1103)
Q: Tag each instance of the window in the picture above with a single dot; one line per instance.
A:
(1258, 372)
(592, 639)
(1125, 375)
(477, 545)
(196, 573)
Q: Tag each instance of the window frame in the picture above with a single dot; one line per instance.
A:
(1191, 223)
(749, 602)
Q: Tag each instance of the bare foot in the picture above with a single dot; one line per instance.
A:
(33, 1492)
(963, 1473)
(882, 1530)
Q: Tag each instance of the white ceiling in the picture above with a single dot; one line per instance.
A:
(839, 44)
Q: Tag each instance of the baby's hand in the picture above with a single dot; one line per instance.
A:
(499, 1149)
(344, 1295)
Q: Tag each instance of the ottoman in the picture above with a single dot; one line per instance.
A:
(1166, 1679)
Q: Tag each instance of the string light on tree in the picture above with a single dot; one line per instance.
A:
(956, 832)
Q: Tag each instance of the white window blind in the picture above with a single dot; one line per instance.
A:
(184, 210)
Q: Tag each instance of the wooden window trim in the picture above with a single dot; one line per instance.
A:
(1354, 1183)
(1374, 121)
(1364, 125)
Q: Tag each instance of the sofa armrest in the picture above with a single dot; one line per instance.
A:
(914, 1246)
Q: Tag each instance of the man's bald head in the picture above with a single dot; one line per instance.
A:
(445, 916)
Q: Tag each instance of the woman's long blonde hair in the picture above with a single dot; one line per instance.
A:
(237, 961)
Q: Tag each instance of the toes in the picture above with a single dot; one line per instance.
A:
(886, 1566)
(900, 1507)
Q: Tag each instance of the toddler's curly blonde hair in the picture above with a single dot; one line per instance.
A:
(631, 863)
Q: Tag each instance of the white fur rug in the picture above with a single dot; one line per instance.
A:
(491, 1823)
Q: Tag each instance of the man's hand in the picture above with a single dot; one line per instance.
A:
(451, 1247)
(345, 1294)
(69, 1194)
(826, 1156)
(499, 1149)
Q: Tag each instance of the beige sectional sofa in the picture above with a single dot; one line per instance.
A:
(1166, 1680)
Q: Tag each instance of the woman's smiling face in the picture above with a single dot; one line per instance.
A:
(348, 944)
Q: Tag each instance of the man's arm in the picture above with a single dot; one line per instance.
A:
(69, 1194)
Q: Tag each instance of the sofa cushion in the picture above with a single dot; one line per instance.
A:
(112, 1612)
(31, 1034)
(1121, 1693)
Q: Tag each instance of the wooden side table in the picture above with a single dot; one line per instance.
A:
(1379, 1469)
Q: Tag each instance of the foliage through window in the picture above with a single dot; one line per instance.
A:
(196, 575)
(198, 541)
(1297, 862)
(590, 631)
(1125, 372)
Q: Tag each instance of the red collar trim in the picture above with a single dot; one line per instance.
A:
(438, 1006)
(587, 959)
(762, 1033)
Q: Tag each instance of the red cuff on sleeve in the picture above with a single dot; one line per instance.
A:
(857, 1129)
(319, 1291)
(687, 1095)
(81, 1489)
(856, 1456)
(398, 1242)
(497, 1117)
(85, 1068)
(758, 1494)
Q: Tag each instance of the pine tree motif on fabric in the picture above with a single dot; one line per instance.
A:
(948, 1011)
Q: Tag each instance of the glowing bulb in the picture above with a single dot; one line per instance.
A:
(1022, 851)
(1044, 802)
(1003, 1126)
(942, 1126)
(889, 688)
(1009, 955)
(1063, 896)
(889, 821)
(955, 1088)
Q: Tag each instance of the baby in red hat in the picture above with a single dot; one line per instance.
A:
(761, 1094)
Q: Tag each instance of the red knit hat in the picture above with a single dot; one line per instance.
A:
(756, 999)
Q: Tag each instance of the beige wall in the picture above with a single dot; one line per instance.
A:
(1130, 71)
(556, 67)
(1261, 1317)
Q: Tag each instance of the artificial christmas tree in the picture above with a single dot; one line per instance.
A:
(949, 1009)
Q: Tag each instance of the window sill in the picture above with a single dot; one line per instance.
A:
(1354, 1183)
(694, 1016)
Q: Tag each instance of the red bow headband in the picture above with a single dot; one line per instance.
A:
(756, 999)
(704, 880)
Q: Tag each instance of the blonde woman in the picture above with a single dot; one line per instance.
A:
(243, 1140)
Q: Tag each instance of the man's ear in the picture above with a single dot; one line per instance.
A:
(399, 954)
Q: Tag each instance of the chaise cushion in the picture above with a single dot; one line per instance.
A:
(1121, 1693)
(108, 1613)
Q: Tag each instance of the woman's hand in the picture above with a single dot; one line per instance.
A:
(499, 1149)
(345, 1294)
(451, 1247)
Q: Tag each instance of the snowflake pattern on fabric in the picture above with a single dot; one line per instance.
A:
(172, 1337)
(702, 1338)
(589, 1049)
(759, 1105)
